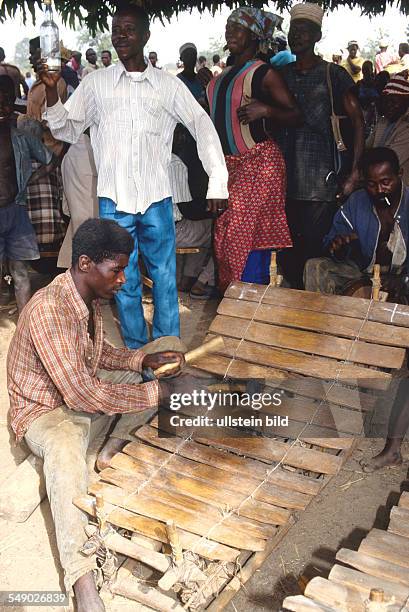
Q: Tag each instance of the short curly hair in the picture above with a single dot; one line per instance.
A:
(101, 239)
(379, 155)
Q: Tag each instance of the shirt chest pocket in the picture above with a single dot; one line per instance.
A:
(152, 106)
(144, 111)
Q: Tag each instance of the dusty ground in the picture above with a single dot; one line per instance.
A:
(341, 516)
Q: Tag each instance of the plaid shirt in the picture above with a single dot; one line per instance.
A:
(52, 361)
(44, 207)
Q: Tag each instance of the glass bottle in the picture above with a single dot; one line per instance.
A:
(50, 39)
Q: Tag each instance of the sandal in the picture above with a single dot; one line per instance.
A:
(202, 291)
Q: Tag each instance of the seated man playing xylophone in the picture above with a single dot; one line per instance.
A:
(67, 385)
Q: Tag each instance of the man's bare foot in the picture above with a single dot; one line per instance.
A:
(86, 594)
(113, 446)
(385, 459)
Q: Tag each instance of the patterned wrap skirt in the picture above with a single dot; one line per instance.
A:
(255, 218)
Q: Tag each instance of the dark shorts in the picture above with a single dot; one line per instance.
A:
(17, 237)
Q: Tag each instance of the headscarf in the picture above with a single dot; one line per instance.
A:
(261, 23)
(398, 85)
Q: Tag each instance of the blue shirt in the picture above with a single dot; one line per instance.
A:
(27, 148)
(282, 58)
(358, 215)
(195, 87)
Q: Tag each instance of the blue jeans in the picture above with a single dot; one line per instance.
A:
(154, 235)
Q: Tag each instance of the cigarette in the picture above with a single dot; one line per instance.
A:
(387, 201)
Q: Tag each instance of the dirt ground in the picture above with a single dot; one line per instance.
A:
(342, 515)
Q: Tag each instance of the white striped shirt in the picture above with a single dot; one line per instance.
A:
(179, 184)
(132, 120)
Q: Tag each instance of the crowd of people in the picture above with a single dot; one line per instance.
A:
(275, 149)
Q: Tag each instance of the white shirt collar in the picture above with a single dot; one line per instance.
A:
(148, 73)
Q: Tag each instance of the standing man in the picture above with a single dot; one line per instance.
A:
(132, 110)
(309, 148)
(153, 58)
(106, 58)
(91, 57)
(383, 57)
(18, 243)
(14, 73)
(403, 53)
(29, 80)
(353, 63)
(75, 63)
(216, 68)
(392, 128)
(188, 55)
(44, 195)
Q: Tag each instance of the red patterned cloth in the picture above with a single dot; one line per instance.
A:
(255, 218)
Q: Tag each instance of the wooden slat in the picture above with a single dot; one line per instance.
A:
(322, 441)
(273, 450)
(309, 387)
(342, 326)
(162, 511)
(128, 586)
(266, 449)
(307, 365)
(299, 603)
(345, 306)
(270, 493)
(382, 545)
(228, 461)
(138, 471)
(336, 595)
(374, 567)
(331, 416)
(390, 539)
(131, 486)
(399, 521)
(363, 583)
(404, 500)
(119, 517)
(309, 342)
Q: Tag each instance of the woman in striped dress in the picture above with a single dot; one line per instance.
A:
(247, 101)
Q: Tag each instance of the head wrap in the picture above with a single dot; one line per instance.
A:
(383, 44)
(398, 86)
(187, 45)
(261, 23)
(351, 43)
(307, 10)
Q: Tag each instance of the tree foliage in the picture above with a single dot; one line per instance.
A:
(95, 14)
(21, 56)
(216, 47)
(100, 41)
